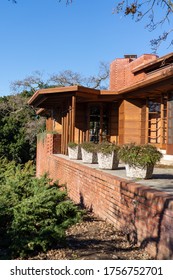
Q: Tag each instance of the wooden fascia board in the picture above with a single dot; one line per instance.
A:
(79, 90)
(49, 91)
(93, 91)
(143, 67)
(164, 75)
(87, 95)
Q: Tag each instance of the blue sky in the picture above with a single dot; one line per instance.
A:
(49, 36)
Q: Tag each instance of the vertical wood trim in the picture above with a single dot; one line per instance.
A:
(67, 132)
(81, 136)
(62, 136)
(78, 133)
(70, 123)
(101, 123)
(147, 122)
(73, 116)
(88, 123)
(161, 120)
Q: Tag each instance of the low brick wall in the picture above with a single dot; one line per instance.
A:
(144, 214)
(47, 144)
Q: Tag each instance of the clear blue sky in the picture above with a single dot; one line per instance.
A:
(46, 35)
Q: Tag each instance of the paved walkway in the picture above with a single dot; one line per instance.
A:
(162, 177)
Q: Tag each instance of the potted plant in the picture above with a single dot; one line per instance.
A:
(107, 155)
(74, 151)
(89, 152)
(139, 159)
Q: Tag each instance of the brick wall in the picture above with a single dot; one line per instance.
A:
(47, 144)
(121, 74)
(144, 214)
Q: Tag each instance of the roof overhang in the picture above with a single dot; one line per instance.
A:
(50, 97)
(158, 63)
(154, 84)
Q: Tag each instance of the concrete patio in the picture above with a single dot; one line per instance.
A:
(162, 177)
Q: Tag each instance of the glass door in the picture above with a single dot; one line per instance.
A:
(98, 123)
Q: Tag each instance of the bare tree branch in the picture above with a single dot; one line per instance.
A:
(139, 9)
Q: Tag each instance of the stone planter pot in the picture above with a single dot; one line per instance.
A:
(89, 157)
(74, 153)
(108, 161)
(139, 172)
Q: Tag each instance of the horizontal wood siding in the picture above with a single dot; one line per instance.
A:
(132, 114)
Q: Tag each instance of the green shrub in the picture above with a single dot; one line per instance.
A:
(34, 213)
(72, 145)
(139, 155)
(107, 147)
(89, 147)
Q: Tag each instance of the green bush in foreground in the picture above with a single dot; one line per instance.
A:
(34, 213)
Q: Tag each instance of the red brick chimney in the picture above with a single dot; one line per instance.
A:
(121, 74)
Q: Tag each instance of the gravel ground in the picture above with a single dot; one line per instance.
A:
(94, 239)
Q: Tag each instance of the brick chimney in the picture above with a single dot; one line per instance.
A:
(121, 74)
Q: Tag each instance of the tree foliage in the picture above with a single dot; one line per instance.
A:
(63, 78)
(34, 213)
(18, 128)
(19, 124)
(70, 78)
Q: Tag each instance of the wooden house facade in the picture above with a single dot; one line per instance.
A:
(138, 107)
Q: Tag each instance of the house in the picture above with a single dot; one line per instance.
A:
(138, 107)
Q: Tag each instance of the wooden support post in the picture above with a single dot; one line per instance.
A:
(70, 123)
(65, 123)
(62, 136)
(81, 136)
(101, 123)
(88, 124)
(78, 135)
(67, 133)
(147, 122)
(161, 120)
(73, 117)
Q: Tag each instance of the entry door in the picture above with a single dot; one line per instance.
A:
(98, 123)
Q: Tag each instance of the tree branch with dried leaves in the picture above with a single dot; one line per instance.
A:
(149, 9)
